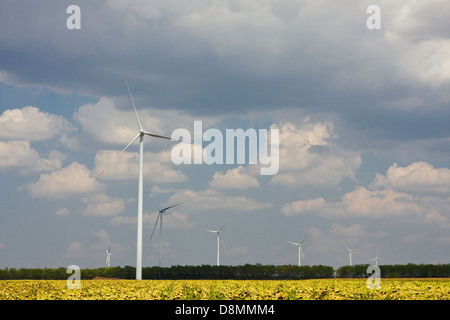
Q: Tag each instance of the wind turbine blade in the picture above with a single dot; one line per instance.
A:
(132, 102)
(129, 144)
(123, 150)
(294, 243)
(163, 210)
(157, 219)
(302, 241)
(215, 231)
(167, 138)
(220, 229)
(347, 248)
(157, 136)
(301, 251)
(223, 242)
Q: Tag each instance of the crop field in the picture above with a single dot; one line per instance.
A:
(326, 289)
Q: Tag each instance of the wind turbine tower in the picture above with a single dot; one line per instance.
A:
(375, 259)
(140, 135)
(160, 217)
(349, 254)
(108, 257)
(300, 251)
(219, 237)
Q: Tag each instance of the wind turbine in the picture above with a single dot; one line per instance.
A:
(376, 259)
(108, 257)
(140, 135)
(160, 216)
(349, 253)
(300, 251)
(219, 237)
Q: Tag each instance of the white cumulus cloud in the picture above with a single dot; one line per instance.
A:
(31, 124)
(236, 178)
(73, 180)
(360, 203)
(102, 205)
(418, 176)
(20, 155)
(157, 166)
(309, 156)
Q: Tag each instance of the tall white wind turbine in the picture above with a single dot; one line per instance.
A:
(108, 257)
(219, 237)
(349, 254)
(160, 218)
(300, 251)
(140, 135)
(375, 259)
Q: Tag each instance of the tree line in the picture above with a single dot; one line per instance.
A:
(242, 272)
(409, 270)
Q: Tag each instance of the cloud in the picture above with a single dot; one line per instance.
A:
(376, 204)
(360, 203)
(288, 46)
(75, 250)
(103, 122)
(96, 251)
(236, 178)
(352, 231)
(157, 190)
(20, 155)
(422, 29)
(104, 239)
(62, 212)
(303, 206)
(309, 156)
(384, 203)
(157, 166)
(418, 176)
(212, 199)
(433, 216)
(31, 124)
(73, 180)
(318, 241)
(102, 205)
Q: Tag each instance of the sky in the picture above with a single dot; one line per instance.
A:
(362, 116)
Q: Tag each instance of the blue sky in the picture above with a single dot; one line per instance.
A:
(362, 116)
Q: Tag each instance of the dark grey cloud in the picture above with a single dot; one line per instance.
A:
(233, 57)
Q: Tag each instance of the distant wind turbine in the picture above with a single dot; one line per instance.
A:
(219, 237)
(160, 218)
(376, 259)
(108, 257)
(300, 251)
(349, 253)
(140, 135)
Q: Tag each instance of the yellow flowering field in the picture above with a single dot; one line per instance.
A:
(327, 289)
